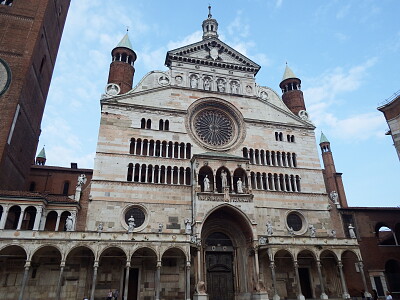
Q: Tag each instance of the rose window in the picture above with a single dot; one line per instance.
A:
(214, 127)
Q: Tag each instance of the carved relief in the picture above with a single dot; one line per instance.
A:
(221, 85)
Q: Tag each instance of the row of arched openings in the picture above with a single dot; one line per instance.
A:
(270, 158)
(386, 235)
(279, 137)
(275, 182)
(160, 148)
(16, 221)
(215, 179)
(123, 57)
(162, 125)
(158, 174)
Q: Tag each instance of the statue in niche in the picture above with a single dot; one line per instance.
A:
(221, 85)
(201, 288)
(239, 186)
(188, 226)
(131, 224)
(224, 179)
(160, 227)
(333, 233)
(270, 229)
(193, 82)
(100, 227)
(234, 87)
(69, 223)
(312, 231)
(206, 182)
(81, 180)
(351, 232)
(207, 83)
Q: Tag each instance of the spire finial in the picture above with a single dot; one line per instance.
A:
(209, 12)
(127, 29)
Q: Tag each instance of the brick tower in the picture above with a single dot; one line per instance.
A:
(30, 34)
(333, 180)
(122, 65)
(292, 95)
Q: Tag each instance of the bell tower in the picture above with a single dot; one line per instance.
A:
(122, 65)
(210, 26)
(333, 180)
(292, 95)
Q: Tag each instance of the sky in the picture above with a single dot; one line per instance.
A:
(345, 52)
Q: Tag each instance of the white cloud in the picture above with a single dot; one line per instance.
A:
(341, 36)
(237, 27)
(278, 3)
(187, 40)
(343, 11)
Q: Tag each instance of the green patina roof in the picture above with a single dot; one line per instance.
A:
(42, 153)
(323, 138)
(288, 73)
(125, 42)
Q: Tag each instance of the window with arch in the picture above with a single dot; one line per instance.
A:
(65, 188)
(385, 235)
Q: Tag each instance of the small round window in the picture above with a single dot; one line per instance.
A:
(138, 215)
(294, 221)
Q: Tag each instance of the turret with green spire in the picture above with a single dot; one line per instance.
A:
(41, 158)
(292, 95)
(122, 66)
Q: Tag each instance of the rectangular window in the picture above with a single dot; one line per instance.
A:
(379, 286)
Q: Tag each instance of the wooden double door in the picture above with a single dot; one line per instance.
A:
(220, 284)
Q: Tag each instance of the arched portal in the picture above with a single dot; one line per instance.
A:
(229, 267)
(392, 270)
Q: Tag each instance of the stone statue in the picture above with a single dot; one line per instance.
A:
(240, 186)
(201, 288)
(193, 82)
(333, 233)
(351, 232)
(270, 229)
(224, 179)
(312, 231)
(69, 223)
(188, 226)
(206, 182)
(260, 287)
(100, 227)
(221, 85)
(262, 240)
(207, 84)
(334, 197)
(291, 231)
(234, 87)
(160, 227)
(81, 180)
(131, 224)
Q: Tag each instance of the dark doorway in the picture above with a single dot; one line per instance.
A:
(133, 283)
(305, 282)
(220, 275)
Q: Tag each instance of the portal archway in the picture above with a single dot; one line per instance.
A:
(229, 266)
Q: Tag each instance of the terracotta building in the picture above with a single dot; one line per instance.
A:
(30, 35)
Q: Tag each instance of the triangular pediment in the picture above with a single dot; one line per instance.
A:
(212, 52)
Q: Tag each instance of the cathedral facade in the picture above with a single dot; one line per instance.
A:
(206, 185)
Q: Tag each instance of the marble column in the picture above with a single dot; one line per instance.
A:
(361, 267)
(321, 280)
(21, 217)
(273, 275)
(58, 221)
(4, 217)
(38, 218)
(58, 291)
(24, 280)
(343, 281)
(95, 267)
(158, 279)
(127, 270)
(187, 287)
(300, 296)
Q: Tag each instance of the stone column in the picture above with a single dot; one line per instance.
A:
(273, 275)
(148, 148)
(232, 186)
(187, 288)
(343, 281)
(58, 221)
(127, 270)
(278, 188)
(38, 218)
(280, 159)
(159, 174)
(256, 265)
(249, 182)
(273, 182)
(296, 269)
(58, 291)
(4, 217)
(21, 217)
(269, 158)
(284, 183)
(154, 149)
(146, 171)
(24, 280)
(266, 182)
(95, 266)
(321, 280)
(295, 184)
(361, 266)
(158, 279)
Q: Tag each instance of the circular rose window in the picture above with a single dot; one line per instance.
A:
(215, 124)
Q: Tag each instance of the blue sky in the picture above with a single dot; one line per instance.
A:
(345, 52)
